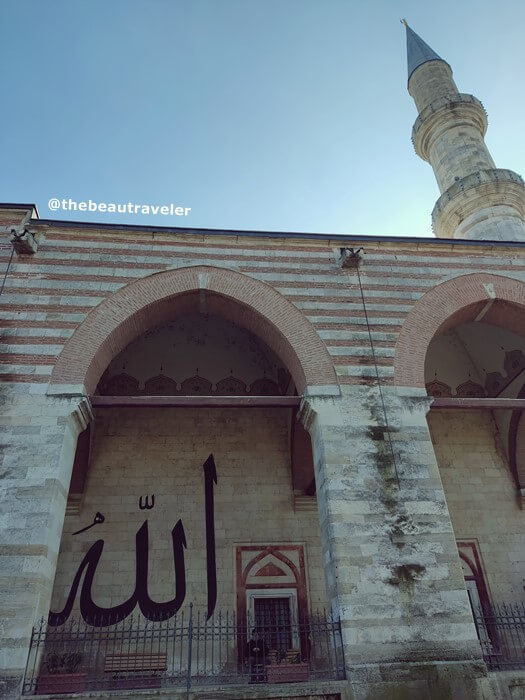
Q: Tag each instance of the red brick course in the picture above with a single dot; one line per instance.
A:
(455, 301)
(155, 299)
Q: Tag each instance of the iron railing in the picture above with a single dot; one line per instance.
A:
(186, 650)
(501, 632)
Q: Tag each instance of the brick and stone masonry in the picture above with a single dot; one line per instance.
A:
(389, 558)
(397, 481)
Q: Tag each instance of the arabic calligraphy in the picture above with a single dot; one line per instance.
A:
(210, 478)
(146, 505)
(99, 518)
(98, 616)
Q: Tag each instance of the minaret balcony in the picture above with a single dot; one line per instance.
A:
(476, 193)
(448, 111)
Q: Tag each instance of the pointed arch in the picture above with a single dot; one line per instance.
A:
(150, 301)
(274, 552)
(458, 300)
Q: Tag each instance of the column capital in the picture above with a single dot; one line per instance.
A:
(83, 413)
(306, 413)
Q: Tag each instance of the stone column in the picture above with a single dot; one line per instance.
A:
(39, 435)
(392, 567)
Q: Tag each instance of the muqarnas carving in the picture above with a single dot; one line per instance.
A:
(124, 384)
(495, 382)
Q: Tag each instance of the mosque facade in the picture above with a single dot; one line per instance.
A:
(244, 464)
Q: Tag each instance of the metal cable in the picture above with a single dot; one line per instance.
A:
(377, 374)
(7, 269)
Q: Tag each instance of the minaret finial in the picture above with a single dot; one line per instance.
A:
(478, 201)
(418, 51)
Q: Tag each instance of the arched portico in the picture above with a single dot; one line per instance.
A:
(464, 342)
(162, 451)
(461, 299)
(152, 300)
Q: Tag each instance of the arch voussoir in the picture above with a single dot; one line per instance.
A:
(150, 301)
(451, 303)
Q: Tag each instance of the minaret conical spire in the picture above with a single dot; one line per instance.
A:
(418, 52)
(478, 201)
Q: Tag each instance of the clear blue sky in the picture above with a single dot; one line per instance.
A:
(287, 115)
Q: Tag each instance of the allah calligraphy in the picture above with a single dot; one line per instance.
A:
(98, 616)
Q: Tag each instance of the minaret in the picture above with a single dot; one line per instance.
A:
(478, 201)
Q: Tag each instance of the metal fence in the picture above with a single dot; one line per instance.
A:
(186, 651)
(501, 632)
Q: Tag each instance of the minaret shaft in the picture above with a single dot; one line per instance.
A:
(431, 80)
(478, 201)
(448, 133)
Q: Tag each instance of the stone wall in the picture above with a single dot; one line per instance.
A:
(481, 496)
(161, 451)
(38, 443)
